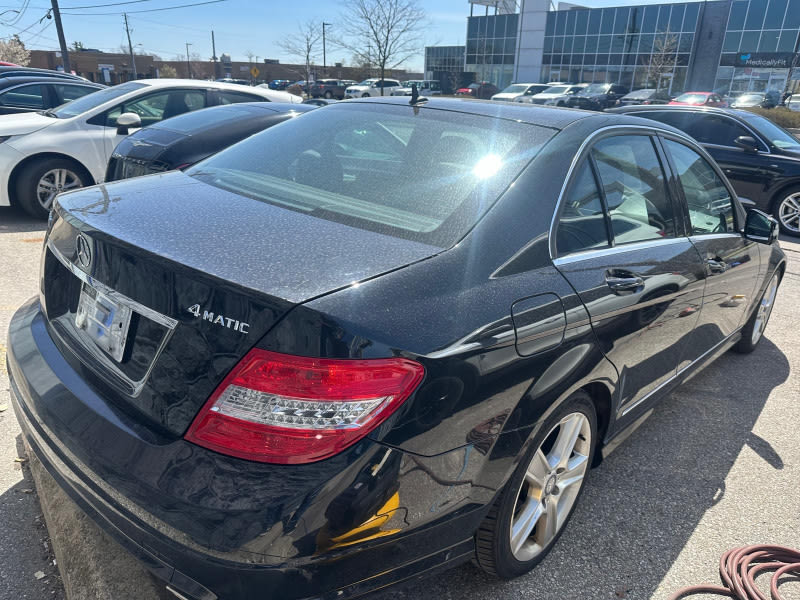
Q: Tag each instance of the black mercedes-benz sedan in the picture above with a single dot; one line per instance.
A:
(761, 159)
(186, 139)
(377, 340)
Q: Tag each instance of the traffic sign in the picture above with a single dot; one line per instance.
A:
(254, 71)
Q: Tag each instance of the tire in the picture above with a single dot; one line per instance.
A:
(753, 330)
(787, 211)
(40, 181)
(328, 95)
(535, 502)
(365, 95)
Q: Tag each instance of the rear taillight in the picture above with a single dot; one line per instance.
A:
(284, 409)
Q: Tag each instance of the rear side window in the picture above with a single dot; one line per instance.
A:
(583, 224)
(235, 97)
(161, 105)
(26, 96)
(710, 204)
(635, 189)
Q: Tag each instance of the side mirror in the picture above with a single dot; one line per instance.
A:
(128, 121)
(747, 143)
(760, 227)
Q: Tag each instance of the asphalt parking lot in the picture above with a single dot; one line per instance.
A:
(717, 465)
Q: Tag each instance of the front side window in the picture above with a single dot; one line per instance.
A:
(159, 106)
(708, 199)
(410, 172)
(582, 225)
(68, 93)
(714, 129)
(26, 96)
(95, 99)
(635, 189)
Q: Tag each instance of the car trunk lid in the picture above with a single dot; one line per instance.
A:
(194, 276)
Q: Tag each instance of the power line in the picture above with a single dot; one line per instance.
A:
(103, 5)
(149, 10)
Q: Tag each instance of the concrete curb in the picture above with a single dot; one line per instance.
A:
(93, 566)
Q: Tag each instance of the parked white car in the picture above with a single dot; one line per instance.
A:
(45, 153)
(372, 87)
(555, 95)
(425, 87)
(519, 90)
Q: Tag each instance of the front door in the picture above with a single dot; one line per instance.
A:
(621, 245)
(731, 261)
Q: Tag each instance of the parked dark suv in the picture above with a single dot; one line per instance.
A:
(597, 96)
(31, 93)
(330, 88)
(761, 160)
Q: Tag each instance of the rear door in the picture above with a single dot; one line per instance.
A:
(620, 242)
(731, 262)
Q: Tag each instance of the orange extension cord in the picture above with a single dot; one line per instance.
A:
(738, 569)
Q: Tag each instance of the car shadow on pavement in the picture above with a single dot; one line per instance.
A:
(642, 504)
(14, 220)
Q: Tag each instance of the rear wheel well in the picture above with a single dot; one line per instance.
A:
(778, 195)
(601, 398)
(12, 179)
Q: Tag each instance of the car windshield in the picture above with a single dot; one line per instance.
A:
(640, 94)
(595, 88)
(93, 100)
(692, 98)
(421, 174)
(750, 99)
(778, 137)
(556, 89)
(368, 82)
(515, 88)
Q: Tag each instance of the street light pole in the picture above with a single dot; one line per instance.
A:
(188, 64)
(324, 54)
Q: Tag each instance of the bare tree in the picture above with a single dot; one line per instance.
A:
(167, 71)
(13, 50)
(662, 60)
(383, 33)
(304, 44)
(249, 54)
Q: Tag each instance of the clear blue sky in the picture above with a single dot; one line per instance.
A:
(239, 25)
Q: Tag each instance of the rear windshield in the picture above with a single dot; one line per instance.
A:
(692, 98)
(516, 88)
(95, 99)
(640, 94)
(754, 98)
(199, 120)
(411, 172)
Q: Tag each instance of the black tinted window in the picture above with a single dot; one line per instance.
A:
(235, 97)
(634, 185)
(67, 93)
(709, 202)
(582, 225)
(715, 129)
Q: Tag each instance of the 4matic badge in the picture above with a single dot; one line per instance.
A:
(219, 319)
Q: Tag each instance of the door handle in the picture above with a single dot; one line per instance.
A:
(717, 265)
(624, 282)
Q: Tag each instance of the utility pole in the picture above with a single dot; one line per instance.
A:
(61, 40)
(188, 64)
(324, 55)
(130, 46)
(214, 55)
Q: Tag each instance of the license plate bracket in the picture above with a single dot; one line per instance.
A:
(103, 320)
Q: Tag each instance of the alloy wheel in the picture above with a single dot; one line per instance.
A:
(789, 212)
(53, 182)
(550, 486)
(764, 309)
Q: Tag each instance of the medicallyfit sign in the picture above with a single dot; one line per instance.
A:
(764, 60)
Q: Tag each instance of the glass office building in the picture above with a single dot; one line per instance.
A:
(761, 38)
(491, 47)
(636, 46)
(720, 45)
(448, 59)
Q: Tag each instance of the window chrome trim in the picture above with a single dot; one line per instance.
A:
(645, 130)
(143, 310)
(613, 250)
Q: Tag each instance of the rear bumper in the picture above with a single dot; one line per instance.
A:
(210, 531)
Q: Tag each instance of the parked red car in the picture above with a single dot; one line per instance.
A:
(700, 99)
(480, 89)
(7, 64)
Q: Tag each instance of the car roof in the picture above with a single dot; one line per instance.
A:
(17, 80)
(544, 116)
(49, 72)
(681, 108)
(247, 111)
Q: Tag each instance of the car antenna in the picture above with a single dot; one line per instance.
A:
(415, 97)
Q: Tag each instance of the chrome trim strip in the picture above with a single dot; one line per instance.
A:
(612, 250)
(143, 310)
(648, 130)
(679, 373)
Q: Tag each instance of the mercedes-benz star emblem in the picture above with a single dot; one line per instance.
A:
(83, 250)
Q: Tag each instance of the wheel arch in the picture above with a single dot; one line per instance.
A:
(21, 165)
(600, 394)
(777, 193)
